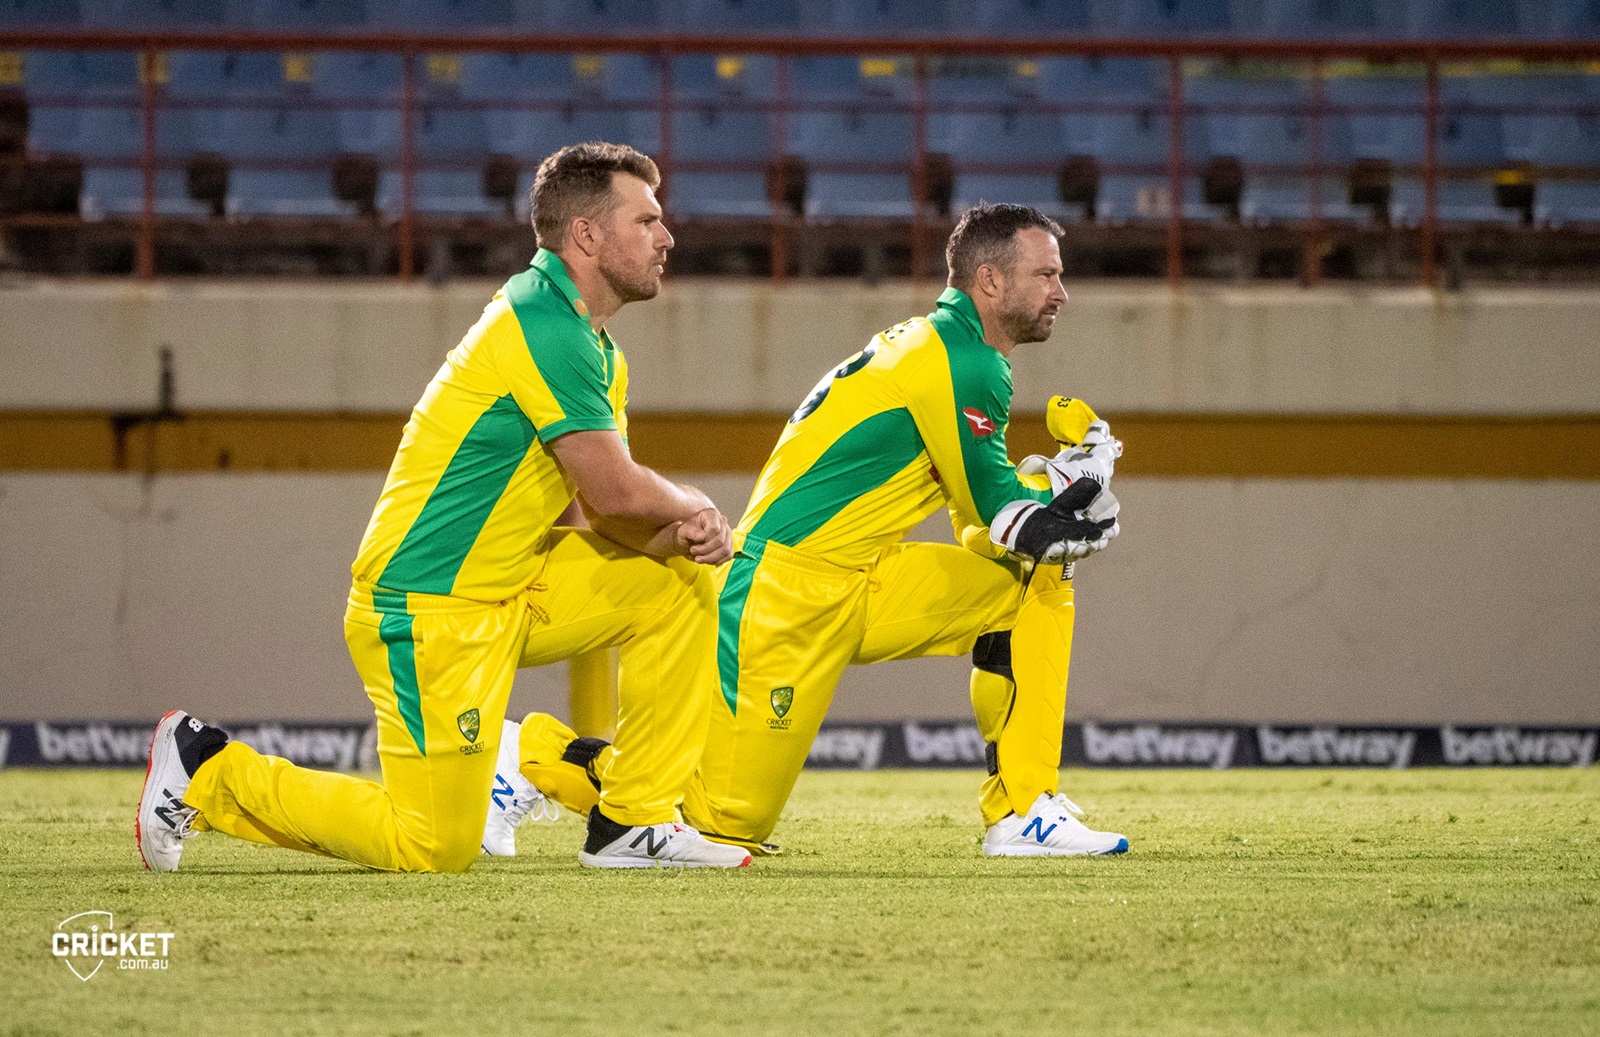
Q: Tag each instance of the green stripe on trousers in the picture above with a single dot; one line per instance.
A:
(396, 633)
(730, 614)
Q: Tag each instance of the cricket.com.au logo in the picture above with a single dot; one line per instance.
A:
(87, 940)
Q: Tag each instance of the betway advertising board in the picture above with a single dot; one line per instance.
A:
(920, 744)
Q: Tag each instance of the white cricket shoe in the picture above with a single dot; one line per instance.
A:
(670, 844)
(164, 820)
(1049, 830)
(512, 798)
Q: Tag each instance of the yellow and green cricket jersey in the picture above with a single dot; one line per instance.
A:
(916, 419)
(474, 488)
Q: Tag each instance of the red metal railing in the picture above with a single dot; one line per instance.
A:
(1430, 54)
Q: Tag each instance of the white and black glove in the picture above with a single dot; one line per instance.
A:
(1061, 531)
(1096, 457)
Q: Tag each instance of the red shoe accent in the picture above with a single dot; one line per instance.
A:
(149, 751)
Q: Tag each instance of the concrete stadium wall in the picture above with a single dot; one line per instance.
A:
(752, 346)
(1360, 599)
(1333, 600)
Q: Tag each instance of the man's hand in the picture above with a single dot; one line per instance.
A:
(1059, 531)
(705, 537)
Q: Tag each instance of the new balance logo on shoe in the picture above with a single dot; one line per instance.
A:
(648, 837)
(1038, 831)
(168, 808)
(502, 792)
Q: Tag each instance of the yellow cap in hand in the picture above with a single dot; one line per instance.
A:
(1068, 419)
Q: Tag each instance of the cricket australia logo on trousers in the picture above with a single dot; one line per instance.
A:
(467, 723)
(782, 699)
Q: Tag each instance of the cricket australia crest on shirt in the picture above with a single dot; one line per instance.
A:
(782, 699)
(981, 424)
(468, 723)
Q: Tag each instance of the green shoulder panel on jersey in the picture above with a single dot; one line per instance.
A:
(980, 378)
(437, 544)
(859, 461)
(577, 363)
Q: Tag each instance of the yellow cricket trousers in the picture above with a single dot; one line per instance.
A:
(788, 626)
(439, 671)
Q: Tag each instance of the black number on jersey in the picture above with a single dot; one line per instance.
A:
(844, 370)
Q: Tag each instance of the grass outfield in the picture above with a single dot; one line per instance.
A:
(1253, 902)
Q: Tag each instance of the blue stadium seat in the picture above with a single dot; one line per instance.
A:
(120, 192)
(1397, 137)
(1130, 195)
(445, 132)
(715, 16)
(718, 194)
(109, 132)
(438, 193)
(1578, 19)
(109, 73)
(259, 74)
(552, 76)
(1453, 18)
(196, 74)
(1141, 139)
(262, 192)
(1032, 17)
(631, 77)
(1470, 139)
(52, 74)
(1563, 140)
(1007, 136)
(1124, 79)
(1142, 199)
(1568, 204)
(1172, 17)
(713, 76)
(310, 14)
(850, 79)
(354, 75)
(869, 17)
(846, 195)
(39, 13)
(969, 80)
(1323, 18)
(1458, 202)
(701, 134)
(1269, 199)
(1553, 140)
(854, 136)
(1029, 189)
(442, 15)
(280, 132)
(150, 14)
(606, 16)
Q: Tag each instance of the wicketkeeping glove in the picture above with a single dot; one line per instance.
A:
(1059, 531)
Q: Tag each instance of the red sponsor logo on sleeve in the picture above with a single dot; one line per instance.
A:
(982, 425)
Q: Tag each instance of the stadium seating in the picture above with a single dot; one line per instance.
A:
(278, 117)
(1173, 17)
(857, 136)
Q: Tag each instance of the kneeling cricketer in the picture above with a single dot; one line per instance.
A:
(821, 578)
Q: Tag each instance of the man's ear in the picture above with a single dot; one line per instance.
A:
(584, 234)
(988, 281)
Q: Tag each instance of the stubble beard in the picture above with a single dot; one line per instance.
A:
(1023, 324)
(632, 285)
